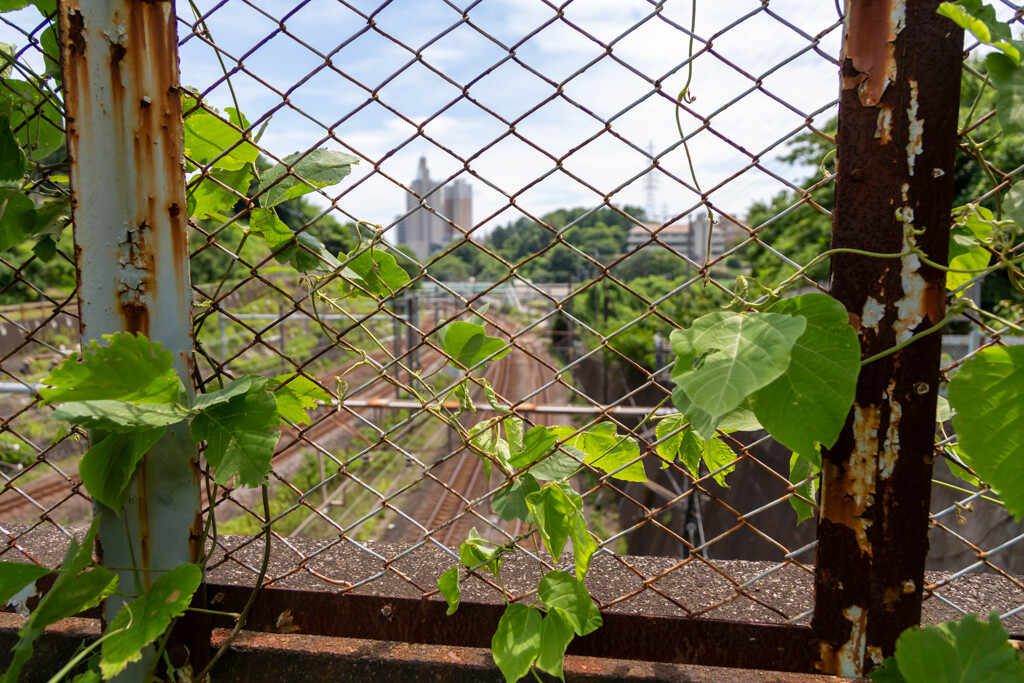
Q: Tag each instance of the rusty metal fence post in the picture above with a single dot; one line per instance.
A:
(896, 142)
(124, 135)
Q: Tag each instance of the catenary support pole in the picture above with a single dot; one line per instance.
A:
(125, 149)
(896, 144)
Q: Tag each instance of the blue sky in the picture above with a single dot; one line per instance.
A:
(612, 100)
(324, 102)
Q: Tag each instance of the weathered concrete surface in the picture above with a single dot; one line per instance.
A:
(270, 658)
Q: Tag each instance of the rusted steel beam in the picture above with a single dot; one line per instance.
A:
(125, 148)
(896, 143)
(709, 642)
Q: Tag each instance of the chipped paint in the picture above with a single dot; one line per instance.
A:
(889, 454)
(19, 601)
(850, 655)
(869, 46)
(125, 151)
(874, 311)
(911, 307)
(915, 129)
(861, 471)
(883, 129)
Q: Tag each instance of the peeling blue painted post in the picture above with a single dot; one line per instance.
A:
(125, 150)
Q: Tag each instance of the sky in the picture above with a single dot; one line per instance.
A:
(762, 72)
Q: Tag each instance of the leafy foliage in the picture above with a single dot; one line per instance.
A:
(723, 358)
(968, 650)
(141, 621)
(989, 421)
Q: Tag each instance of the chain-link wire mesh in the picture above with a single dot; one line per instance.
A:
(38, 301)
(582, 179)
(974, 541)
(531, 164)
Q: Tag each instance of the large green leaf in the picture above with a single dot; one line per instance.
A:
(108, 466)
(669, 432)
(725, 357)
(965, 254)
(240, 435)
(801, 468)
(211, 140)
(954, 652)
(988, 397)
(127, 368)
(216, 193)
(120, 416)
(468, 344)
(376, 271)
(303, 252)
(981, 20)
(15, 576)
(448, 584)
(475, 551)
(809, 403)
(691, 448)
(556, 632)
(36, 122)
(510, 500)
(583, 544)
(566, 592)
(141, 621)
(17, 217)
(1008, 77)
(235, 387)
(74, 591)
(63, 596)
(12, 159)
(604, 448)
(51, 219)
(516, 643)
(295, 395)
(303, 172)
(552, 512)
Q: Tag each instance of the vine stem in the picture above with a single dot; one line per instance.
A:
(952, 313)
(960, 489)
(240, 622)
(77, 659)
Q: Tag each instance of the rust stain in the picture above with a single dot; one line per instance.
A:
(871, 30)
(75, 38)
(856, 492)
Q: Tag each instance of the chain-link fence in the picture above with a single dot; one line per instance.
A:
(581, 179)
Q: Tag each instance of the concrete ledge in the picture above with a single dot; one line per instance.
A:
(297, 658)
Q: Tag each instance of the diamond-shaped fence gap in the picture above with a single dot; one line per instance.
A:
(366, 61)
(557, 126)
(606, 88)
(415, 26)
(463, 128)
(512, 166)
(304, 23)
(588, 164)
(510, 91)
(419, 93)
(775, 122)
(571, 50)
(463, 54)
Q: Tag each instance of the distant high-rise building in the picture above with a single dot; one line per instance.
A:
(425, 229)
